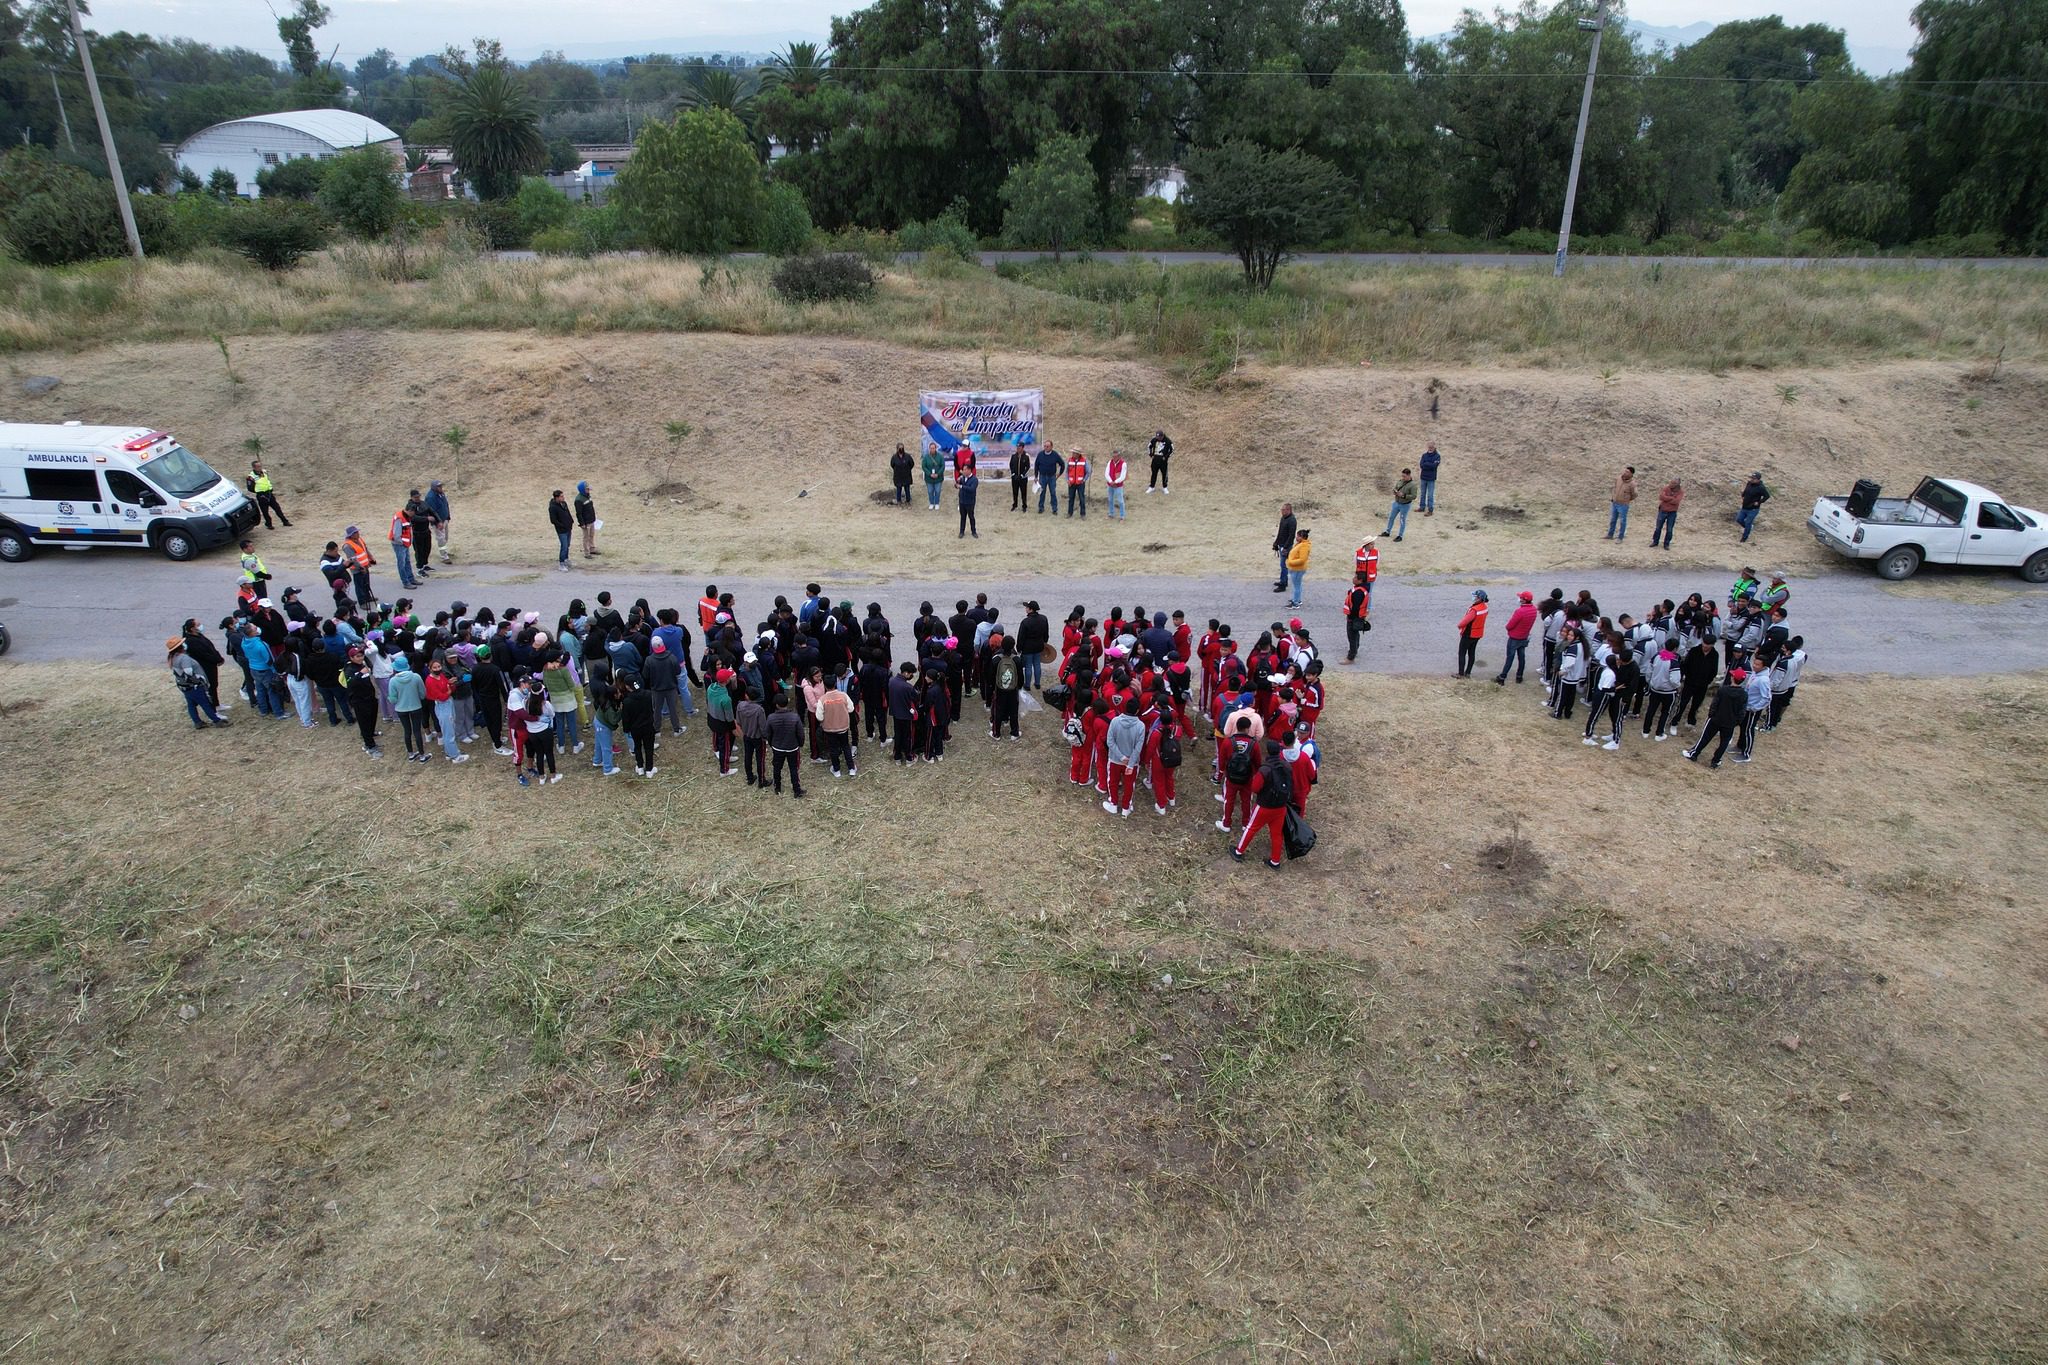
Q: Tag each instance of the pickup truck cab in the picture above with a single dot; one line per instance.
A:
(1943, 521)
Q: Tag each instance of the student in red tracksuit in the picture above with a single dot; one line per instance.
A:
(1097, 724)
(1311, 699)
(1236, 794)
(1271, 791)
(1301, 770)
(1167, 723)
(1081, 705)
(1208, 651)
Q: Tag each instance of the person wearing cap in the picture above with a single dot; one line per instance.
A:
(1618, 503)
(205, 656)
(1471, 629)
(662, 676)
(1668, 499)
(191, 681)
(1521, 624)
(1754, 496)
(265, 493)
(1776, 595)
(1366, 561)
(720, 712)
(401, 548)
(1724, 717)
(422, 533)
(1297, 567)
(253, 573)
(438, 514)
(356, 557)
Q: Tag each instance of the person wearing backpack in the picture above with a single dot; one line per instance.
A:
(1008, 678)
(1163, 756)
(1239, 765)
(1271, 791)
(719, 710)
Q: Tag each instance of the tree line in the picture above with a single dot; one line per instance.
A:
(1297, 122)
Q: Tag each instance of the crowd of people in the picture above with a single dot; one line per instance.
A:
(1743, 665)
(1047, 468)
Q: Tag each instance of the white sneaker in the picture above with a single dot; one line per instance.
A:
(554, 777)
(1589, 741)
(1110, 806)
(611, 772)
(1610, 745)
(467, 739)
(1160, 809)
(639, 772)
(1219, 800)
(576, 749)
(1126, 814)
(460, 758)
(1225, 828)
(502, 752)
(650, 772)
(1661, 736)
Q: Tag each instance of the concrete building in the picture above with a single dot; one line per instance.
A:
(248, 146)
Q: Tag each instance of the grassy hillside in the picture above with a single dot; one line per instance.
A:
(1197, 318)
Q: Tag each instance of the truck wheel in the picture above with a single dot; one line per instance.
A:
(5, 639)
(2035, 570)
(14, 546)
(1899, 563)
(178, 545)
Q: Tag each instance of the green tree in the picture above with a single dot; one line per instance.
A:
(300, 178)
(540, 206)
(718, 87)
(296, 27)
(494, 130)
(1977, 97)
(693, 185)
(1687, 145)
(1263, 203)
(361, 192)
(66, 216)
(562, 157)
(221, 184)
(1852, 181)
(1765, 63)
(1050, 200)
(785, 223)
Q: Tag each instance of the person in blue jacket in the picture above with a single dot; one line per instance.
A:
(1427, 467)
(965, 491)
(1048, 467)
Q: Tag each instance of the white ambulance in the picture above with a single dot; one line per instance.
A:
(79, 486)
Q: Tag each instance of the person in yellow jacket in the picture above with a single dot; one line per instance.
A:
(265, 493)
(1297, 566)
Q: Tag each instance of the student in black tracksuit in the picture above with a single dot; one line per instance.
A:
(1724, 718)
(785, 744)
(636, 715)
(938, 708)
(903, 711)
(1696, 673)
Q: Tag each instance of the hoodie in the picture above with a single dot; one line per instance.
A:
(408, 691)
(1125, 740)
(1663, 672)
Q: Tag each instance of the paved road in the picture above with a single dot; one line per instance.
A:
(121, 607)
(1489, 259)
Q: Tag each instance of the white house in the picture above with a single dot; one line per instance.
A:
(247, 146)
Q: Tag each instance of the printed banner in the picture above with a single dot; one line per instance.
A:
(988, 425)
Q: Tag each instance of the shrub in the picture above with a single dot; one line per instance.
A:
(73, 217)
(560, 241)
(945, 235)
(496, 221)
(872, 245)
(784, 226)
(539, 206)
(297, 179)
(823, 279)
(1530, 239)
(361, 192)
(276, 233)
(694, 185)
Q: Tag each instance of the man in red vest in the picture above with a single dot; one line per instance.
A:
(1113, 475)
(1077, 484)
(707, 608)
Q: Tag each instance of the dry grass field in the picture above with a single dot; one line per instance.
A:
(1544, 1054)
(350, 419)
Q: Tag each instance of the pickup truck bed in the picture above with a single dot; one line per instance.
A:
(1895, 512)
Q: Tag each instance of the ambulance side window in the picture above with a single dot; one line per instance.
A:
(128, 489)
(63, 485)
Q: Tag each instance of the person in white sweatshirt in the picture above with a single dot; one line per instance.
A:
(1660, 716)
(1785, 673)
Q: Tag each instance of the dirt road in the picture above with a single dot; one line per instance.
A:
(121, 607)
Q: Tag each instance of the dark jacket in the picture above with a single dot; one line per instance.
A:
(586, 510)
(1033, 632)
(900, 467)
(1020, 465)
(965, 490)
(902, 698)
(660, 672)
(753, 721)
(636, 713)
(323, 669)
(786, 731)
(1731, 701)
(1049, 464)
(1284, 541)
(1697, 668)
(558, 515)
(1754, 494)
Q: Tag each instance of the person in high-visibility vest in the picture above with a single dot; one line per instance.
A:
(253, 572)
(1077, 484)
(1367, 561)
(266, 494)
(401, 547)
(355, 553)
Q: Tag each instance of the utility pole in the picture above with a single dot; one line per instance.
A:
(1598, 25)
(62, 115)
(99, 110)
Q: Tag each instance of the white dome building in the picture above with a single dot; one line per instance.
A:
(247, 146)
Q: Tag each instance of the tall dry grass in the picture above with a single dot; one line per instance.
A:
(1196, 316)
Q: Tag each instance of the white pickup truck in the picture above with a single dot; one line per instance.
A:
(1944, 521)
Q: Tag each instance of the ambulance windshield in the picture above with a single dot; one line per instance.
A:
(180, 473)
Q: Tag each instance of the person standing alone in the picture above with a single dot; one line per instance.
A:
(1160, 448)
(1404, 498)
(1077, 484)
(965, 491)
(1283, 543)
(933, 467)
(560, 518)
(1297, 567)
(266, 494)
(1754, 496)
(1668, 498)
(1430, 463)
(1048, 466)
(900, 467)
(1618, 503)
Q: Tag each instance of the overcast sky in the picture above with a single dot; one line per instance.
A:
(412, 27)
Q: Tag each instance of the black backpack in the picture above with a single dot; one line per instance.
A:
(1169, 750)
(1280, 782)
(1240, 765)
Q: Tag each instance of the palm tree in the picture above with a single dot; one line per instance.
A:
(494, 131)
(718, 87)
(800, 69)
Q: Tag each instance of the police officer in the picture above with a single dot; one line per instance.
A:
(266, 495)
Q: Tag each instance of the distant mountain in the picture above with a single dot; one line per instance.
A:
(699, 45)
